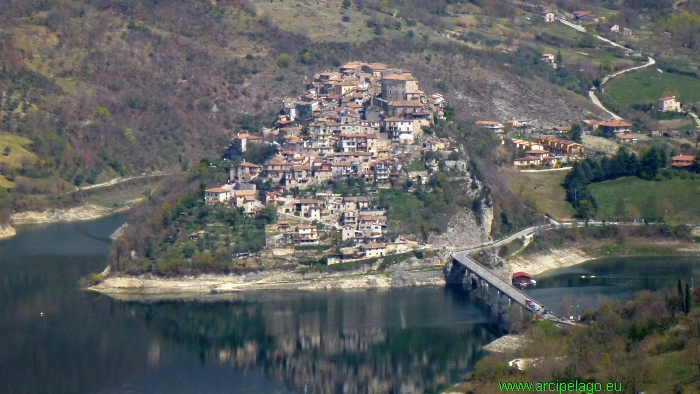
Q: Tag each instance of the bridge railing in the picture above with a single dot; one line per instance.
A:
(504, 286)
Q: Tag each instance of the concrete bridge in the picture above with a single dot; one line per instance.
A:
(465, 271)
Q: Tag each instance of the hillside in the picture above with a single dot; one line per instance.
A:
(114, 89)
(674, 201)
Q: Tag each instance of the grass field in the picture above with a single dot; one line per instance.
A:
(648, 85)
(16, 144)
(17, 153)
(542, 188)
(677, 200)
(5, 184)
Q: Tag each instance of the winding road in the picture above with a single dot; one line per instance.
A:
(591, 93)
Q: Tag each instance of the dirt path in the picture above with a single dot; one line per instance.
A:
(118, 180)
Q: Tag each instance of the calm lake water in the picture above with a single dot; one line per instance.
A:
(56, 338)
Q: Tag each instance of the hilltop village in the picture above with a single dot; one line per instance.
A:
(368, 123)
(363, 122)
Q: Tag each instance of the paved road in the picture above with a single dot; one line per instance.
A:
(650, 62)
(591, 93)
(505, 287)
(581, 29)
(596, 101)
(495, 281)
(509, 239)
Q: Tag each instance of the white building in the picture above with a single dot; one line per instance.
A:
(668, 104)
(374, 250)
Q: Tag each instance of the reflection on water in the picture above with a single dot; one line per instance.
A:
(58, 339)
(416, 340)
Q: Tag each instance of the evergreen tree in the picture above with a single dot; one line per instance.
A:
(632, 165)
(575, 134)
(696, 163)
(649, 165)
(688, 299)
(606, 166)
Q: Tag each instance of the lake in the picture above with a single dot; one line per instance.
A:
(57, 338)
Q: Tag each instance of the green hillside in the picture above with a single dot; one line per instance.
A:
(648, 85)
(677, 200)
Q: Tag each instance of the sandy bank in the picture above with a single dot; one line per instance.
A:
(77, 214)
(567, 256)
(119, 232)
(7, 232)
(543, 261)
(130, 287)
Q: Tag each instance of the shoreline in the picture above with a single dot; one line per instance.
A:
(7, 232)
(51, 216)
(152, 287)
(400, 276)
(77, 214)
(570, 255)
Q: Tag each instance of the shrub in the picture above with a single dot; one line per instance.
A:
(346, 18)
(283, 60)
(95, 279)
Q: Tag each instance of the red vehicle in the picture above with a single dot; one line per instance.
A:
(523, 280)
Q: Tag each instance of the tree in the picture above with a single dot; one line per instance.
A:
(102, 113)
(347, 4)
(378, 30)
(650, 163)
(696, 163)
(283, 60)
(685, 27)
(576, 132)
(7, 151)
(586, 209)
(559, 58)
(688, 299)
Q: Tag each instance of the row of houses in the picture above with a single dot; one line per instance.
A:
(547, 150)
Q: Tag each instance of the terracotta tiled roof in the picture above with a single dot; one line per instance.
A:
(399, 77)
(405, 103)
(614, 123)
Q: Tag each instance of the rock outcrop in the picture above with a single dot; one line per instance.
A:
(464, 231)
